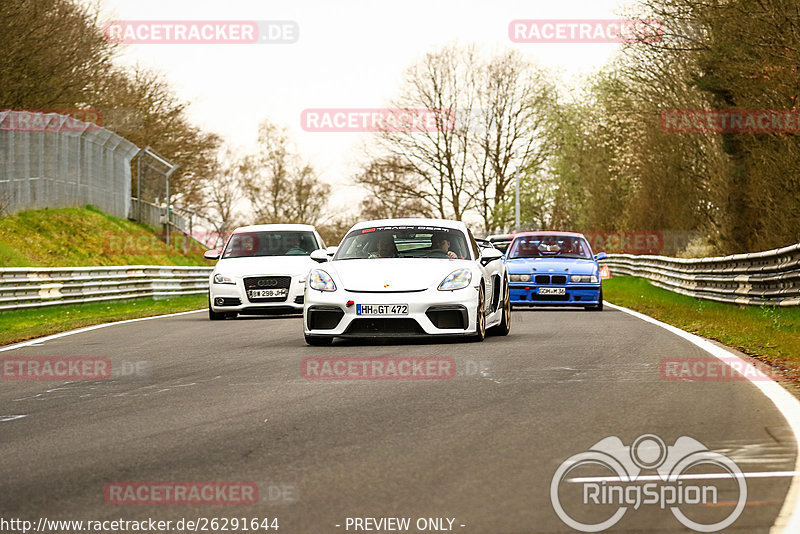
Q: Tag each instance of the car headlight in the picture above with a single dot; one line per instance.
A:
(584, 278)
(222, 279)
(519, 277)
(321, 281)
(458, 279)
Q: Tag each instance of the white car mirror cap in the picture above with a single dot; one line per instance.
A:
(490, 254)
(211, 254)
(320, 255)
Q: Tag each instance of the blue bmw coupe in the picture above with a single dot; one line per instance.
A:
(554, 269)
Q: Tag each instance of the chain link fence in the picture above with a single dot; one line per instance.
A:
(52, 160)
(49, 160)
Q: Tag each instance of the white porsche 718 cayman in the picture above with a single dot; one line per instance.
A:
(407, 277)
(261, 270)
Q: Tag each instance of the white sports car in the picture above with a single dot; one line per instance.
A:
(407, 277)
(262, 270)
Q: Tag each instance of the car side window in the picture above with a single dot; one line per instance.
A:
(473, 245)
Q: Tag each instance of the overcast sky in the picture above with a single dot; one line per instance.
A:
(350, 54)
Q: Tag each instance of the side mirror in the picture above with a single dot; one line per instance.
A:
(489, 255)
(330, 251)
(319, 255)
(600, 256)
(212, 254)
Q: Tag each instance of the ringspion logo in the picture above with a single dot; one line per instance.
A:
(595, 503)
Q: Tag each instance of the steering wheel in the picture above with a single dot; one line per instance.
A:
(438, 251)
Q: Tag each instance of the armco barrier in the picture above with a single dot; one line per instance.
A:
(33, 287)
(771, 277)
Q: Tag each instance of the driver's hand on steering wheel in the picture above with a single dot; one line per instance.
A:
(452, 255)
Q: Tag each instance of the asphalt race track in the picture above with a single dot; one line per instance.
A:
(226, 401)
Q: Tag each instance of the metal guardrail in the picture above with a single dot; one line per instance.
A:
(34, 287)
(762, 278)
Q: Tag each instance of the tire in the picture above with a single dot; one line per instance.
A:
(504, 327)
(212, 315)
(599, 306)
(318, 341)
(480, 317)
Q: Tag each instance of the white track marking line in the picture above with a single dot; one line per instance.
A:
(788, 519)
(40, 340)
(689, 476)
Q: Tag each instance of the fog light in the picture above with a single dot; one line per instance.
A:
(219, 301)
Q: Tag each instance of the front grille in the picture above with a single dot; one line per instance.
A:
(448, 316)
(268, 282)
(324, 318)
(546, 279)
(384, 326)
(550, 298)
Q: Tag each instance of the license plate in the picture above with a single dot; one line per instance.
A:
(552, 291)
(266, 293)
(381, 309)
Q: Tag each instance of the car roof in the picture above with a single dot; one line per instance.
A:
(545, 232)
(445, 223)
(275, 228)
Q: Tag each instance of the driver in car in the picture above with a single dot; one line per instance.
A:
(440, 243)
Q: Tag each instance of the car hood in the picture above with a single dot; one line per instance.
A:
(401, 274)
(265, 265)
(546, 265)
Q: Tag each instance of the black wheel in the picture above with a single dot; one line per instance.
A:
(318, 341)
(480, 317)
(504, 327)
(599, 306)
(212, 315)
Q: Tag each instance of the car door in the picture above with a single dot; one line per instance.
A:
(492, 276)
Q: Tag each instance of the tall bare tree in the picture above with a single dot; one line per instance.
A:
(280, 187)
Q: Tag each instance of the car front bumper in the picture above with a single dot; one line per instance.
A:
(233, 297)
(526, 293)
(430, 312)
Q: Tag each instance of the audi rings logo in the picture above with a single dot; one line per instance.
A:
(687, 478)
(267, 283)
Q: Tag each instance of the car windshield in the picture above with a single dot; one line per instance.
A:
(402, 242)
(550, 246)
(270, 243)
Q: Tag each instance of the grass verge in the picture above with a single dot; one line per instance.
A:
(73, 237)
(19, 325)
(770, 334)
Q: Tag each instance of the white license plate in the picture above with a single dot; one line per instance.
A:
(266, 293)
(381, 309)
(552, 291)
